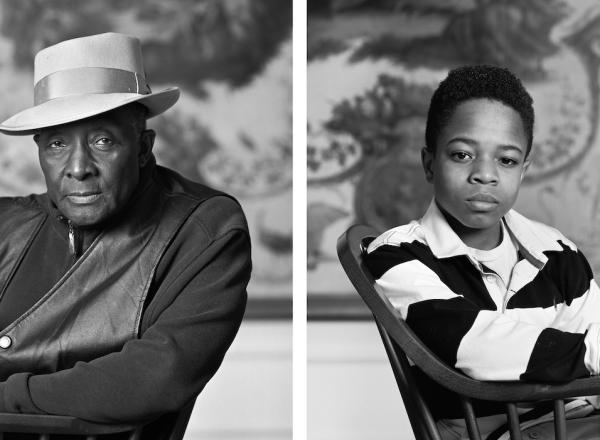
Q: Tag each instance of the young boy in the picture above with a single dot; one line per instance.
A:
(494, 294)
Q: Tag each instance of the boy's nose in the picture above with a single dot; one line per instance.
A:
(484, 173)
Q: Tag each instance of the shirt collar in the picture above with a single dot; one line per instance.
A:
(532, 240)
(440, 237)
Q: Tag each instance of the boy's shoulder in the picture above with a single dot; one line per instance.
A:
(407, 233)
(537, 234)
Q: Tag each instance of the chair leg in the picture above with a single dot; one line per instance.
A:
(513, 422)
(470, 418)
(560, 422)
(423, 424)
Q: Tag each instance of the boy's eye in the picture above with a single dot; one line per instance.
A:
(460, 156)
(508, 161)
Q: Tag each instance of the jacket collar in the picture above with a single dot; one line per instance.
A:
(145, 180)
(61, 224)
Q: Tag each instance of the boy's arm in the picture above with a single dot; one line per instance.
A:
(521, 343)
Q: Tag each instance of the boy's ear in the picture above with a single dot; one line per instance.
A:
(525, 167)
(427, 161)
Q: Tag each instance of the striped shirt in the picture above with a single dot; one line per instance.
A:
(546, 327)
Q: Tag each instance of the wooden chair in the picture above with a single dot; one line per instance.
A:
(402, 344)
(46, 425)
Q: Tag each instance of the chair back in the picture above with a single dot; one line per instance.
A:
(45, 426)
(350, 247)
(402, 344)
(181, 421)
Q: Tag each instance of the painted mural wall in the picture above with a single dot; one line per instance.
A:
(373, 66)
(231, 128)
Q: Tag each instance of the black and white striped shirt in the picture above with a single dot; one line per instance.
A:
(548, 325)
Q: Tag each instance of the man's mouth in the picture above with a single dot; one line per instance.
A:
(82, 198)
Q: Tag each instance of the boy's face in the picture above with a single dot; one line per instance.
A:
(478, 165)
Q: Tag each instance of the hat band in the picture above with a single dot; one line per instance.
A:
(86, 80)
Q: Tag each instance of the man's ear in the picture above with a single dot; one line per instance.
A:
(146, 143)
(427, 161)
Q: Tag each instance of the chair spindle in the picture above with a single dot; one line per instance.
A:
(513, 421)
(470, 418)
(560, 422)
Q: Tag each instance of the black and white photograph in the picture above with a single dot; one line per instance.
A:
(146, 204)
(452, 219)
(299, 220)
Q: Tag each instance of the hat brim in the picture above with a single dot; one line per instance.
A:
(76, 107)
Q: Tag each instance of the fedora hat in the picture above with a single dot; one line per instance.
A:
(83, 77)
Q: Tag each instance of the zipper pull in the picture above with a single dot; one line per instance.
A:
(73, 241)
(71, 238)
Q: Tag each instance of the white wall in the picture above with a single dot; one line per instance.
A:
(352, 394)
(250, 397)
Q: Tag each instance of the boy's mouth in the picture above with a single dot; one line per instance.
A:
(481, 197)
(482, 202)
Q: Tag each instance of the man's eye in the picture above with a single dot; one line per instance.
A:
(56, 144)
(103, 142)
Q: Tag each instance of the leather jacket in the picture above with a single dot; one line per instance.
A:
(141, 320)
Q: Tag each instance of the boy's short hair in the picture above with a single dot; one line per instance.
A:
(472, 82)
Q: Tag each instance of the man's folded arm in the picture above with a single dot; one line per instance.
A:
(172, 360)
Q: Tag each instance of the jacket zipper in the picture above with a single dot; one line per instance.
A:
(74, 239)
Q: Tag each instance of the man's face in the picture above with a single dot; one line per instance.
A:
(92, 166)
(478, 165)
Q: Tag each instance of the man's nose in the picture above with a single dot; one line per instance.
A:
(80, 163)
(484, 172)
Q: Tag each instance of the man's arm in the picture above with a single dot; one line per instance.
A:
(546, 343)
(192, 320)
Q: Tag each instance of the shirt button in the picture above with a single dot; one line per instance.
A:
(5, 342)
(534, 434)
(490, 278)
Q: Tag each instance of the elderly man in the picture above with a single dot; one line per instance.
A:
(122, 286)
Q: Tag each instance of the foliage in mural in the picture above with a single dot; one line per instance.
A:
(373, 66)
(232, 127)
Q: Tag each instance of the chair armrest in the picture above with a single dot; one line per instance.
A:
(350, 253)
(527, 391)
(50, 424)
(499, 391)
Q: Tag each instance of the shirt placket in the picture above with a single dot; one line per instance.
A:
(494, 284)
(497, 289)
